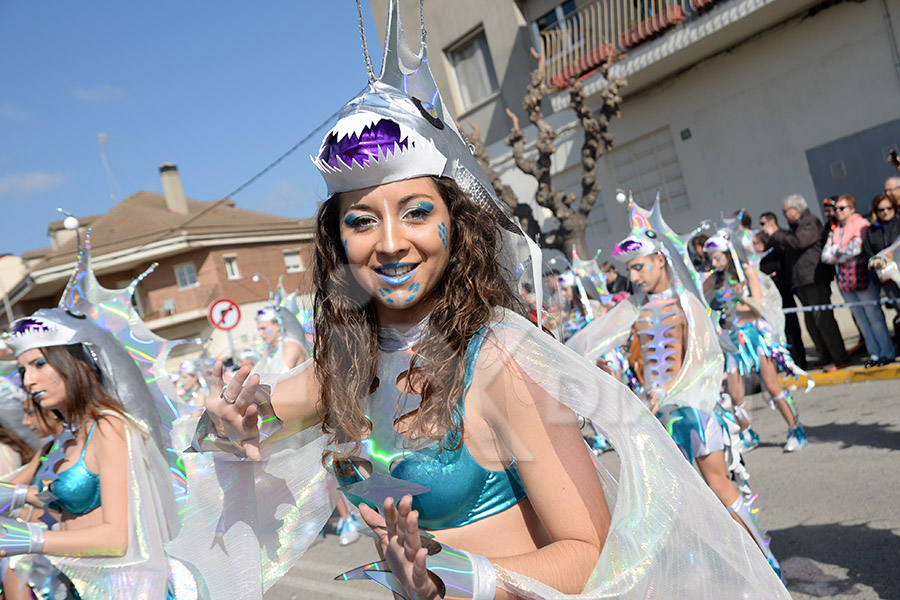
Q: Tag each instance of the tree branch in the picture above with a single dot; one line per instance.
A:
(503, 191)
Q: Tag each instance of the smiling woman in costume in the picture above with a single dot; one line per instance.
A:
(91, 477)
(443, 407)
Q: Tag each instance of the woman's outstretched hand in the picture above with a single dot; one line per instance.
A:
(233, 408)
(401, 546)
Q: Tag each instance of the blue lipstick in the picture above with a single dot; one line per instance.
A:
(397, 279)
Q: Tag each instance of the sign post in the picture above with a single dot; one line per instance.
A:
(225, 314)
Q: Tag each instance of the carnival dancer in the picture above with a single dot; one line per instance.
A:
(105, 475)
(284, 337)
(283, 346)
(748, 309)
(431, 384)
(676, 355)
(190, 385)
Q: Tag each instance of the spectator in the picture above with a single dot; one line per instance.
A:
(844, 250)
(883, 232)
(810, 278)
(698, 255)
(892, 189)
(775, 265)
(830, 217)
(615, 283)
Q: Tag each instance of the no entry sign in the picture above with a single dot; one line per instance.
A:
(224, 314)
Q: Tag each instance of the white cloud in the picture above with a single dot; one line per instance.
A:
(29, 183)
(11, 112)
(104, 92)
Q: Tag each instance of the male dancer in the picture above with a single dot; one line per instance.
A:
(675, 352)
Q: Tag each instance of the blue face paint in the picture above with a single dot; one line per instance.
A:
(442, 233)
(350, 219)
(424, 207)
(385, 291)
(649, 268)
(413, 288)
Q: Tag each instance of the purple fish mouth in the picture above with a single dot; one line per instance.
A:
(29, 325)
(372, 142)
(627, 246)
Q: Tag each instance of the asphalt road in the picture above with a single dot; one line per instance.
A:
(831, 509)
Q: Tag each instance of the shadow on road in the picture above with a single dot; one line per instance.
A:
(874, 435)
(869, 556)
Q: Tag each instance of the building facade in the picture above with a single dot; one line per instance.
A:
(203, 251)
(730, 103)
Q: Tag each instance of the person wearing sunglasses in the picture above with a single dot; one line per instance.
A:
(844, 250)
(885, 229)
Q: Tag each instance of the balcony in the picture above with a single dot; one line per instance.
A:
(180, 306)
(607, 29)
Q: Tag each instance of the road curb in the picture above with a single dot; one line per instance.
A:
(850, 375)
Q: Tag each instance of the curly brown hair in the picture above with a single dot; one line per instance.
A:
(86, 397)
(346, 346)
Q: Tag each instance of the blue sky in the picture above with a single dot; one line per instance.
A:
(219, 88)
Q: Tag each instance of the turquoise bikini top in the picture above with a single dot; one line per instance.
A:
(77, 490)
(461, 490)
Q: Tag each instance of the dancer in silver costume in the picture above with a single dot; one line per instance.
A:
(104, 477)
(748, 303)
(283, 338)
(679, 363)
(443, 406)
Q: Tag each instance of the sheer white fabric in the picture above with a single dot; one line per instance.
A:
(670, 537)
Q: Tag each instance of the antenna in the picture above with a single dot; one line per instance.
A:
(102, 138)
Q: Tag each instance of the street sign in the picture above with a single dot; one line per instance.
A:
(224, 314)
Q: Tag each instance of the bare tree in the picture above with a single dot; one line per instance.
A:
(521, 210)
(569, 209)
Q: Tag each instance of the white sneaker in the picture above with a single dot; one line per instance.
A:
(796, 439)
(348, 530)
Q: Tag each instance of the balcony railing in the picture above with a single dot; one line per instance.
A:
(605, 29)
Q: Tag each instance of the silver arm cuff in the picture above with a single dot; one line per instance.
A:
(484, 577)
(37, 538)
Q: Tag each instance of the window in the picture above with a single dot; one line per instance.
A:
(649, 165)
(473, 69)
(169, 307)
(551, 20)
(293, 261)
(185, 275)
(556, 15)
(231, 268)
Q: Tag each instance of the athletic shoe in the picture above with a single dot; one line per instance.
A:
(885, 361)
(749, 440)
(796, 439)
(348, 530)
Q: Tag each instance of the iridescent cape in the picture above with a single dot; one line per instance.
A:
(246, 523)
(143, 571)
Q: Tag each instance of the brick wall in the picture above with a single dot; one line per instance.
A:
(213, 281)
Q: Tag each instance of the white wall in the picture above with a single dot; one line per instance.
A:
(753, 112)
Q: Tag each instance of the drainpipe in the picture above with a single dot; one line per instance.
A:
(891, 38)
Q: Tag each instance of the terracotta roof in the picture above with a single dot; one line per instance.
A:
(143, 218)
